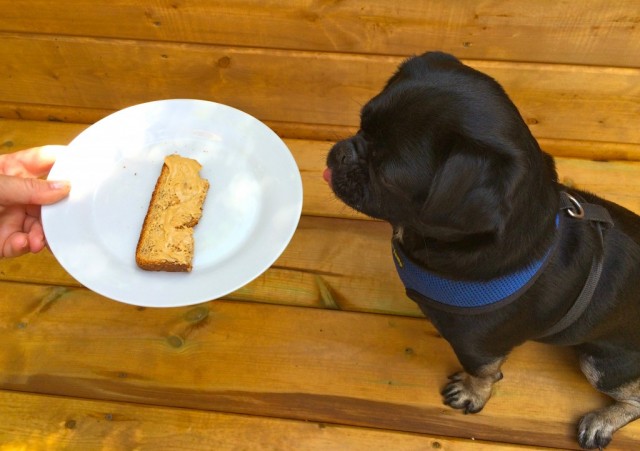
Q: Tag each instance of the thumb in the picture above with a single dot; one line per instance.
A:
(31, 191)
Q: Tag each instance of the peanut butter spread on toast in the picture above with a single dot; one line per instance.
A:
(166, 240)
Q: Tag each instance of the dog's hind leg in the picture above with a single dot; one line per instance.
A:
(470, 392)
(595, 429)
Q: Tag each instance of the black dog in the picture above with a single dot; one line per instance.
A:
(494, 250)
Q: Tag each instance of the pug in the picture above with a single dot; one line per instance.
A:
(491, 246)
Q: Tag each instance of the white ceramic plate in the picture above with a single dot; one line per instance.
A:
(250, 214)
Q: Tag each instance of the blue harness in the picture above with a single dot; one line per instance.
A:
(451, 295)
(469, 296)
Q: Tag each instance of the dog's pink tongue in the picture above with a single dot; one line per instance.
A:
(326, 175)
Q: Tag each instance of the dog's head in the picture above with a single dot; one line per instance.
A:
(441, 150)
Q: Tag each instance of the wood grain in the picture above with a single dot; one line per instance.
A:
(569, 102)
(32, 118)
(593, 32)
(323, 350)
(311, 254)
(304, 364)
(617, 181)
(322, 267)
(78, 424)
(326, 253)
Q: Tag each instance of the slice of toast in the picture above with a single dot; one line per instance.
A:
(166, 239)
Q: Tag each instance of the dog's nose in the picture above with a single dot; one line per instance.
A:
(345, 152)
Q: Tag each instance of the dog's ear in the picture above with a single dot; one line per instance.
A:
(468, 194)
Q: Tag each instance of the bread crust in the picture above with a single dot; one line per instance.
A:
(144, 246)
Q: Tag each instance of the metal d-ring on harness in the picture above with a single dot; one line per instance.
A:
(601, 220)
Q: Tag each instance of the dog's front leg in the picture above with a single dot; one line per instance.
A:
(470, 390)
(596, 428)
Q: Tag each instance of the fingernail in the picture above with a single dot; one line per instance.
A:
(59, 185)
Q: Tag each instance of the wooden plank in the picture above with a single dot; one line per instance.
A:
(20, 134)
(568, 102)
(33, 130)
(51, 422)
(56, 113)
(614, 180)
(50, 113)
(590, 150)
(310, 156)
(617, 181)
(303, 364)
(322, 267)
(599, 32)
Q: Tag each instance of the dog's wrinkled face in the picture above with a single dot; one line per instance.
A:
(439, 150)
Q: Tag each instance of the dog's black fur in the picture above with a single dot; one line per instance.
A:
(444, 156)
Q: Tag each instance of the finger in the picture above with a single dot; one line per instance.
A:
(15, 245)
(33, 210)
(26, 191)
(34, 162)
(35, 235)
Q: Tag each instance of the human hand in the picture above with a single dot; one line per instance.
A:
(21, 195)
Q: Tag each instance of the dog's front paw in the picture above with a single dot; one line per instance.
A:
(467, 392)
(594, 431)
(596, 428)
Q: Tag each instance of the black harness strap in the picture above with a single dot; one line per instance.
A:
(601, 220)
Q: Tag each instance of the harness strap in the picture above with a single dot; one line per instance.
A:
(601, 220)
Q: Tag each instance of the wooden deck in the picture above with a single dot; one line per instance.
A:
(323, 351)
